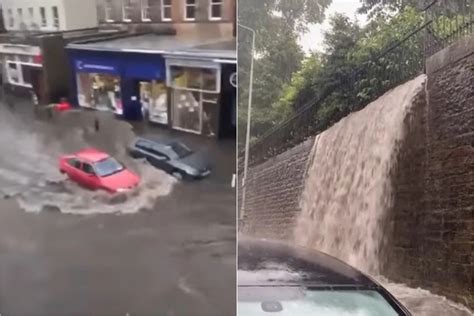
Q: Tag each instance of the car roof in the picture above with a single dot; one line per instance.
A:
(263, 262)
(158, 140)
(92, 155)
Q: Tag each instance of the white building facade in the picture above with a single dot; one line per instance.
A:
(49, 15)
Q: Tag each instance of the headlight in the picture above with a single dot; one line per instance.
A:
(121, 190)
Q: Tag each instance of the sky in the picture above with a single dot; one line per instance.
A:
(313, 39)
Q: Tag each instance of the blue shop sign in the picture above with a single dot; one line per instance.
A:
(96, 66)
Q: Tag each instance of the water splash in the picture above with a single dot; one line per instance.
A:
(29, 166)
(348, 189)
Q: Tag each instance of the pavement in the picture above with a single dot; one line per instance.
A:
(170, 250)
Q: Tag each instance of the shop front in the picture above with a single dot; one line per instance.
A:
(128, 84)
(195, 90)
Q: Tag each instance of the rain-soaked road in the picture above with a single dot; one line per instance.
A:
(168, 250)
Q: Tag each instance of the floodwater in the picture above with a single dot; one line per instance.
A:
(348, 192)
(29, 170)
(168, 249)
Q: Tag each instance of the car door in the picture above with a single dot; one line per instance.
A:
(160, 159)
(73, 169)
(89, 178)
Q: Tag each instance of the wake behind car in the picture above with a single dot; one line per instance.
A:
(283, 280)
(171, 156)
(97, 170)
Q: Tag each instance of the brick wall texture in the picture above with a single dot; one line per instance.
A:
(273, 192)
(433, 216)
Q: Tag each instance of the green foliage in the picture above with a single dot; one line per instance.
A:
(277, 23)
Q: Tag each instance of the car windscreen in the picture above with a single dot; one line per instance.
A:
(299, 301)
(181, 150)
(107, 167)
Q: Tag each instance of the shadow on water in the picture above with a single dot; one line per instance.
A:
(33, 143)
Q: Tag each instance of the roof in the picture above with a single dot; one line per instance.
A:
(196, 46)
(92, 155)
(263, 262)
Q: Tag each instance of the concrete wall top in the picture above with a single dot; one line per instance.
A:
(450, 55)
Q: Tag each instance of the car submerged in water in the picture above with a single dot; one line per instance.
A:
(171, 156)
(96, 170)
(277, 279)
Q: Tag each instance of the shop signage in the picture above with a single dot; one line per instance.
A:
(233, 80)
(93, 67)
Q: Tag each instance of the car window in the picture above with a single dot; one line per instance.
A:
(74, 162)
(108, 167)
(181, 150)
(87, 168)
(295, 301)
(157, 150)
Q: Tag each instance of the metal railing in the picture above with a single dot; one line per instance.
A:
(400, 61)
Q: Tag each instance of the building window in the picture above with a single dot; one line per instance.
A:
(190, 10)
(166, 10)
(11, 20)
(108, 10)
(20, 16)
(126, 10)
(146, 10)
(31, 14)
(55, 17)
(43, 16)
(215, 9)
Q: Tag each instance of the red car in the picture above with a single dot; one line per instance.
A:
(97, 170)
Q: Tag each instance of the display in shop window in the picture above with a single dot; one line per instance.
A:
(100, 91)
(154, 101)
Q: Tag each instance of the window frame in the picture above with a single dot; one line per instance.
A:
(108, 11)
(56, 21)
(211, 4)
(186, 5)
(163, 7)
(126, 15)
(44, 19)
(145, 10)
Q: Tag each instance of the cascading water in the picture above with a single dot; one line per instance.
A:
(348, 189)
(348, 193)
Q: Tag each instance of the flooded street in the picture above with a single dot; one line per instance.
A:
(167, 249)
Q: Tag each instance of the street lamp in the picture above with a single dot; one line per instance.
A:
(247, 138)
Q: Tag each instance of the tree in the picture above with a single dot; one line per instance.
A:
(278, 24)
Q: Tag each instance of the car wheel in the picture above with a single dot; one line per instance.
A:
(178, 175)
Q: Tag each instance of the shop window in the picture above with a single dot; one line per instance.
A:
(190, 10)
(193, 78)
(145, 4)
(108, 7)
(55, 17)
(187, 111)
(44, 22)
(99, 91)
(154, 101)
(215, 10)
(11, 20)
(127, 10)
(166, 10)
